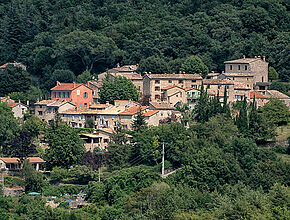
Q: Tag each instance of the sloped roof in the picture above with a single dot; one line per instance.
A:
(12, 105)
(239, 74)
(174, 76)
(133, 110)
(162, 105)
(241, 86)
(36, 160)
(150, 113)
(257, 95)
(171, 87)
(243, 60)
(98, 106)
(218, 82)
(67, 86)
(44, 102)
(276, 94)
(10, 160)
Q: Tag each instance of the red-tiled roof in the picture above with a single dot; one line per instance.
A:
(150, 113)
(243, 60)
(162, 105)
(11, 105)
(10, 160)
(133, 110)
(44, 102)
(67, 86)
(257, 95)
(36, 160)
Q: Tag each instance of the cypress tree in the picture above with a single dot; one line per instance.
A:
(242, 118)
(226, 108)
(202, 107)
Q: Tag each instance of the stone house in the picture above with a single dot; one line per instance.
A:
(192, 96)
(256, 66)
(260, 99)
(18, 109)
(173, 95)
(77, 93)
(126, 117)
(95, 85)
(13, 163)
(46, 110)
(217, 87)
(241, 90)
(154, 83)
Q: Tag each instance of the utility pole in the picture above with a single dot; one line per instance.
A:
(163, 156)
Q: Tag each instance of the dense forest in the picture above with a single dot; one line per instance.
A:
(59, 40)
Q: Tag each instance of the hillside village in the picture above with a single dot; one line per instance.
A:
(75, 103)
(122, 110)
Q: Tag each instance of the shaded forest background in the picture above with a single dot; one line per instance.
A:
(94, 35)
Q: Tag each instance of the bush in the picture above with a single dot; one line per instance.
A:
(279, 149)
(62, 190)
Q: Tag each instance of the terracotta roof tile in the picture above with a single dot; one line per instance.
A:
(162, 105)
(67, 86)
(257, 95)
(44, 102)
(150, 113)
(10, 160)
(36, 160)
(133, 110)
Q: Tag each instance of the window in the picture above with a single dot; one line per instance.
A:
(193, 86)
(180, 81)
(54, 94)
(86, 105)
(80, 118)
(247, 79)
(157, 96)
(72, 117)
(246, 67)
(157, 81)
(157, 88)
(22, 110)
(78, 92)
(113, 117)
(262, 79)
(40, 106)
(40, 112)
(63, 94)
(169, 81)
(194, 80)
(231, 67)
(208, 86)
(176, 95)
(86, 95)
(219, 86)
(106, 140)
(239, 67)
(68, 94)
(233, 78)
(59, 95)
(80, 125)
(139, 87)
(80, 105)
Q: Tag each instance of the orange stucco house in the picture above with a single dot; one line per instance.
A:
(78, 94)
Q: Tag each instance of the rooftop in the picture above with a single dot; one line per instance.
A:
(133, 110)
(241, 86)
(257, 95)
(174, 76)
(275, 94)
(162, 105)
(218, 82)
(171, 87)
(244, 60)
(150, 113)
(67, 86)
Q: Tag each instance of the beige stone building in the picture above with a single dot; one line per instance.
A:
(126, 117)
(18, 109)
(46, 110)
(256, 66)
(217, 87)
(174, 95)
(154, 83)
(95, 85)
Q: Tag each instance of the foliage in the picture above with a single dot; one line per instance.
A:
(283, 87)
(139, 123)
(242, 118)
(154, 65)
(118, 89)
(34, 126)
(272, 74)
(9, 83)
(34, 181)
(277, 111)
(65, 146)
(8, 125)
(194, 64)
(84, 77)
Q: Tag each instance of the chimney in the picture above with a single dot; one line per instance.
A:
(74, 84)
(264, 58)
(212, 71)
(223, 72)
(118, 65)
(255, 57)
(57, 83)
(259, 57)
(107, 104)
(244, 56)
